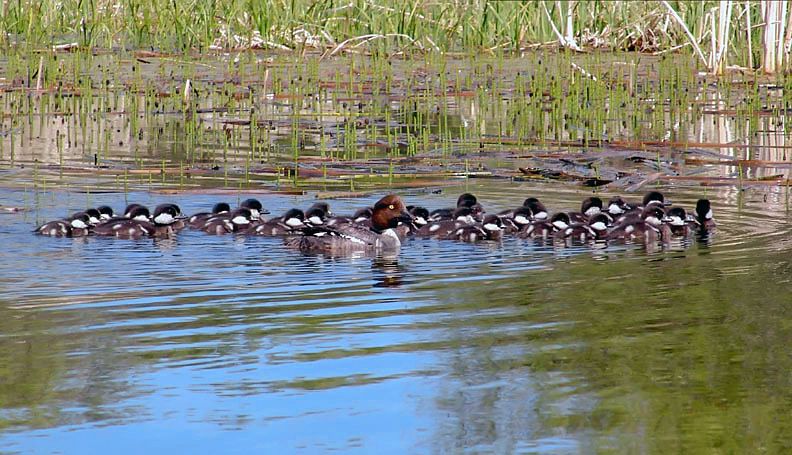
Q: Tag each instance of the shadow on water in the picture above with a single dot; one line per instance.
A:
(233, 344)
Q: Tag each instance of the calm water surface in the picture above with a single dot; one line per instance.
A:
(208, 344)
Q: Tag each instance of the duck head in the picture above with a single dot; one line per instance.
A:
(138, 213)
(617, 206)
(131, 208)
(591, 206)
(94, 217)
(523, 216)
(420, 215)
(466, 200)
(165, 214)
(600, 222)
(221, 207)
(323, 206)
(294, 218)
(316, 215)
(80, 220)
(362, 214)
(105, 212)
(703, 210)
(653, 196)
(492, 223)
(389, 212)
(560, 221)
(255, 207)
(241, 217)
(538, 209)
(675, 217)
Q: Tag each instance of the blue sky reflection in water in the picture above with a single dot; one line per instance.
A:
(234, 345)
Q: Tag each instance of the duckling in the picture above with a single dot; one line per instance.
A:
(105, 212)
(316, 215)
(291, 223)
(199, 219)
(679, 223)
(538, 209)
(77, 225)
(254, 207)
(544, 229)
(235, 221)
(600, 223)
(135, 227)
(443, 229)
(618, 206)
(489, 229)
(704, 215)
(466, 200)
(590, 207)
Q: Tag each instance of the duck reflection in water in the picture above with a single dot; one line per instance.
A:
(387, 271)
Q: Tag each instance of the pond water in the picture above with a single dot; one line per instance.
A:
(227, 344)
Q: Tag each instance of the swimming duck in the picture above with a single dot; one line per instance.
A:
(489, 229)
(237, 220)
(316, 215)
(77, 225)
(442, 229)
(467, 200)
(590, 207)
(135, 227)
(544, 229)
(199, 219)
(291, 223)
(105, 212)
(255, 208)
(679, 223)
(618, 206)
(704, 215)
(538, 209)
(389, 218)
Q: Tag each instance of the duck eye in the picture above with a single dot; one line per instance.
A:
(391, 207)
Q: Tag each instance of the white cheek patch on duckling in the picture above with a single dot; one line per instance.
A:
(434, 227)
(94, 220)
(294, 222)
(708, 215)
(653, 221)
(315, 220)
(255, 214)
(521, 220)
(599, 225)
(614, 209)
(541, 216)
(560, 225)
(79, 224)
(163, 218)
(591, 211)
(141, 218)
(677, 221)
(240, 220)
(104, 217)
(361, 219)
(492, 227)
(420, 221)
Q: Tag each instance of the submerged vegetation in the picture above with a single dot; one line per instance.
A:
(196, 93)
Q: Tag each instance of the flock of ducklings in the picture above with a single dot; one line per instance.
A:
(650, 220)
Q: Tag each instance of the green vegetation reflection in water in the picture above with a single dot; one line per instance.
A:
(679, 353)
